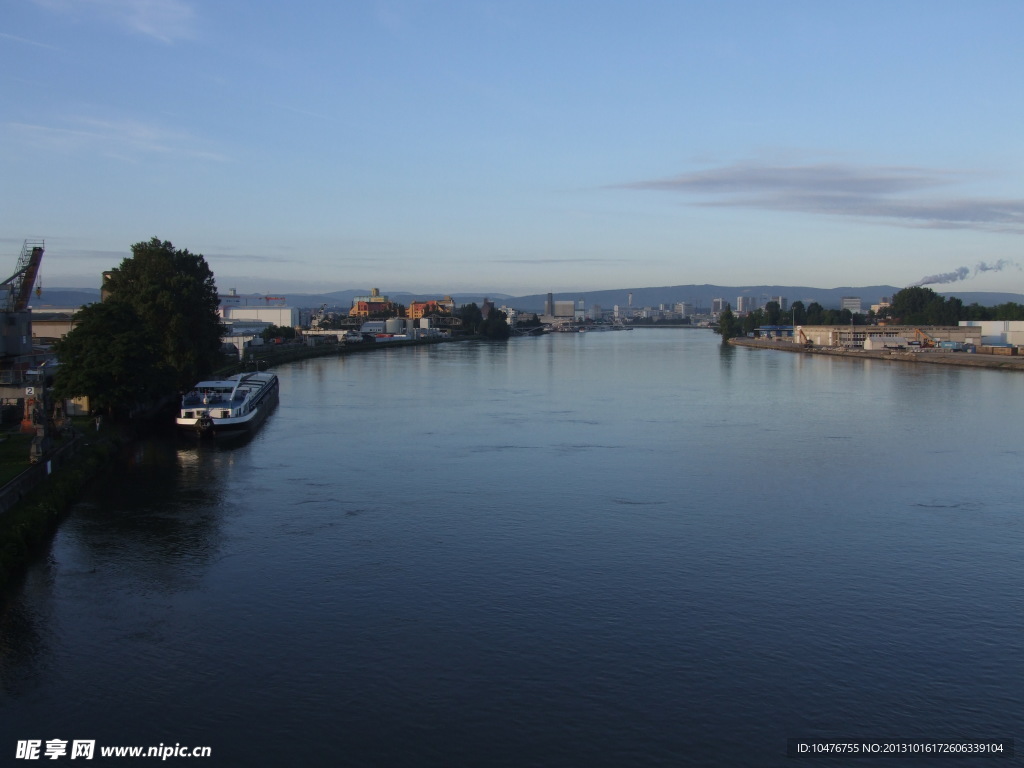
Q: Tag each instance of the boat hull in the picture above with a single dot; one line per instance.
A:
(210, 417)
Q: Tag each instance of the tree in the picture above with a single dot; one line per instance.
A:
(495, 326)
(917, 306)
(773, 313)
(815, 314)
(158, 323)
(277, 332)
(728, 325)
(175, 296)
(109, 357)
(471, 317)
(752, 321)
(798, 313)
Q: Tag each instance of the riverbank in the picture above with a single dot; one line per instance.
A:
(270, 355)
(922, 357)
(30, 519)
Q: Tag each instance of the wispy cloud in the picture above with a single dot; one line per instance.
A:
(26, 41)
(165, 20)
(559, 261)
(901, 195)
(124, 139)
(248, 257)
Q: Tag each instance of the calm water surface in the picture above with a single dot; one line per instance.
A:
(581, 550)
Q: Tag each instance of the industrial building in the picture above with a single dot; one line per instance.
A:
(283, 317)
(998, 333)
(857, 335)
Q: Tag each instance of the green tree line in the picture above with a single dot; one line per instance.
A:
(923, 306)
(911, 306)
(495, 326)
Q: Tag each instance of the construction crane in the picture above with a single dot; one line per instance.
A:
(923, 338)
(19, 285)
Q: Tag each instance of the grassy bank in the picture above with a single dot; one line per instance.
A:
(27, 525)
(14, 448)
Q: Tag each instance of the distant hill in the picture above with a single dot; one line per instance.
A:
(64, 298)
(700, 295)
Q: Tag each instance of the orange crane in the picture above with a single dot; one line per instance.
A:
(19, 285)
(924, 338)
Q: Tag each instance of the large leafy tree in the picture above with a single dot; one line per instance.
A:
(109, 357)
(175, 296)
(922, 305)
(156, 332)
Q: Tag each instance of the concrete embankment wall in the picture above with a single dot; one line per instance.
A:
(274, 354)
(923, 357)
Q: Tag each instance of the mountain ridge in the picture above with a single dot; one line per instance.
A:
(699, 295)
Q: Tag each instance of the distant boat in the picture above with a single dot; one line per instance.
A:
(236, 404)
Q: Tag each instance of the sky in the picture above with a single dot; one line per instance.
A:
(519, 147)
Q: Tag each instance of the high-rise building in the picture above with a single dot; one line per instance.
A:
(718, 306)
(851, 303)
(746, 303)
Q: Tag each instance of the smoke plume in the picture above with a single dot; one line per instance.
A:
(962, 273)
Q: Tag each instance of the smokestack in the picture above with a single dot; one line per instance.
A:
(962, 273)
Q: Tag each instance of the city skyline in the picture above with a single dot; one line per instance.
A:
(454, 147)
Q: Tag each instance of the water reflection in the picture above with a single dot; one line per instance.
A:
(159, 518)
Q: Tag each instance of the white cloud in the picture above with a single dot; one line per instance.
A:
(165, 20)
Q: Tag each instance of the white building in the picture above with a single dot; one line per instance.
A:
(745, 304)
(851, 303)
(565, 309)
(998, 332)
(283, 317)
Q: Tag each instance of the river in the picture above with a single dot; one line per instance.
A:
(604, 549)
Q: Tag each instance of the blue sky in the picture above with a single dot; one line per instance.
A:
(518, 146)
